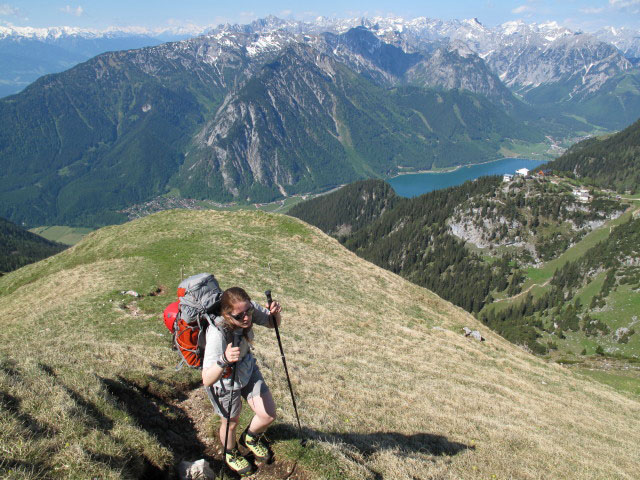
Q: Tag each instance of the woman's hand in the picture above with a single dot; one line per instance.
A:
(232, 353)
(274, 309)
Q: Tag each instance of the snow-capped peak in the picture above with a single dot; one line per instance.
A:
(56, 33)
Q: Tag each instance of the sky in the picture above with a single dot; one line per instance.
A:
(587, 15)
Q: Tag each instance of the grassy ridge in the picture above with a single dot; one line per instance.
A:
(387, 385)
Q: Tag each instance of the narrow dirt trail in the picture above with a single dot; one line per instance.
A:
(524, 292)
(197, 407)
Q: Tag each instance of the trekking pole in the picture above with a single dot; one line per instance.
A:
(235, 342)
(303, 441)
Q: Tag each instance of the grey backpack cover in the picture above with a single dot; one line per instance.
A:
(201, 297)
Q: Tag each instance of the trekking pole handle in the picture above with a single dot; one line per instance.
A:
(275, 323)
(269, 299)
(237, 336)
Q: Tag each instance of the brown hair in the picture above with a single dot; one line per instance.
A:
(229, 298)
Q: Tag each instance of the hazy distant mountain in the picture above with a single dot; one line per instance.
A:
(260, 111)
(28, 53)
(521, 54)
(625, 39)
(574, 78)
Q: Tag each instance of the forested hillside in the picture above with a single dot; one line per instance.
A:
(411, 237)
(611, 162)
(589, 303)
(535, 219)
(18, 247)
(348, 209)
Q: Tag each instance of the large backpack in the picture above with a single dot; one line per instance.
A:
(189, 317)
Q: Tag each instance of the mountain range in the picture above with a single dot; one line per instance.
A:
(566, 74)
(262, 111)
(237, 116)
(523, 55)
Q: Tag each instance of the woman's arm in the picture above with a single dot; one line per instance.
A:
(264, 316)
(211, 375)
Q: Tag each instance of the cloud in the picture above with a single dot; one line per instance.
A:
(285, 13)
(6, 9)
(623, 3)
(246, 15)
(592, 10)
(522, 9)
(78, 11)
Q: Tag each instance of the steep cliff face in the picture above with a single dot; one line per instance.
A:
(455, 66)
(278, 133)
(624, 39)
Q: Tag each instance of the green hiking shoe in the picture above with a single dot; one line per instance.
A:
(238, 463)
(257, 444)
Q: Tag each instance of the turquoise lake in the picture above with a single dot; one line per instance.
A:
(416, 184)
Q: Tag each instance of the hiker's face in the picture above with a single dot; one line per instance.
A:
(241, 314)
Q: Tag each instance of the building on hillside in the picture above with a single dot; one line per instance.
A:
(582, 195)
(507, 177)
(523, 172)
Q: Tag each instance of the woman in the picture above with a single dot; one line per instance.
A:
(237, 316)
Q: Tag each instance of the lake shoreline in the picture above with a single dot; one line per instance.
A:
(412, 184)
(457, 167)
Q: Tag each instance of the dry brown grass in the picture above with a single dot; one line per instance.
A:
(385, 379)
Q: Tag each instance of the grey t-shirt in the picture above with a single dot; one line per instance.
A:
(217, 344)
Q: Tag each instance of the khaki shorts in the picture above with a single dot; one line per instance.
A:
(255, 387)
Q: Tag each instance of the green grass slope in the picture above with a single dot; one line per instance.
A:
(61, 233)
(388, 386)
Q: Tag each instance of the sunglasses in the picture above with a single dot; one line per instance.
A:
(238, 317)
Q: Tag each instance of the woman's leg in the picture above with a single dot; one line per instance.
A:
(265, 411)
(233, 424)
